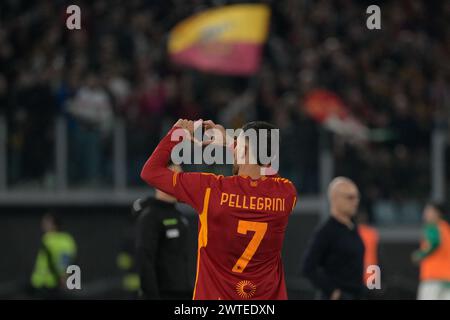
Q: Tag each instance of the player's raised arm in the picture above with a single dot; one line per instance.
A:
(186, 187)
(155, 171)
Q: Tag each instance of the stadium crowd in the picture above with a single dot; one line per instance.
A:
(396, 79)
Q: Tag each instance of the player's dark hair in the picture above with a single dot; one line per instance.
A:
(258, 125)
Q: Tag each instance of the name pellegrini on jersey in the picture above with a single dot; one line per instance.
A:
(234, 200)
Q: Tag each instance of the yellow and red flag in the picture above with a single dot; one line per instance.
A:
(225, 40)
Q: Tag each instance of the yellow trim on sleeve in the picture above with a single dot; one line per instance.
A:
(174, 179)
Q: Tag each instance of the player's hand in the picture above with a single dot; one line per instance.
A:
(218, 134)
(190, 126)
(185, 124)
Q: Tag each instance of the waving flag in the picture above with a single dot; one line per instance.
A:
(328, 109)
(225, 40)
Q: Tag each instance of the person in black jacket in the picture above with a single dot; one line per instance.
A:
(334, 259)
(162, 248)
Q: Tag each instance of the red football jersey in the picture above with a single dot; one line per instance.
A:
(242, 223)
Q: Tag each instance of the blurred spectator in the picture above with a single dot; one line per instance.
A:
(161, 248)
(92, 109)
(32, 125)
(57, 251)
(396, 80)
(334, 259)
(370, 238)
(434, 255)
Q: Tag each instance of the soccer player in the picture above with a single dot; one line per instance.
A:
(242, 220)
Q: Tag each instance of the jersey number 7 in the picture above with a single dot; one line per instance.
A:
(260, 229)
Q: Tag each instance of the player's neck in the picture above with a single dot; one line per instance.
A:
(250, 170)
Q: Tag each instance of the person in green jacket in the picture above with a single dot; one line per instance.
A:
(57, 251)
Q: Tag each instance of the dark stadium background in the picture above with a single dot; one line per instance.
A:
(395, 80)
